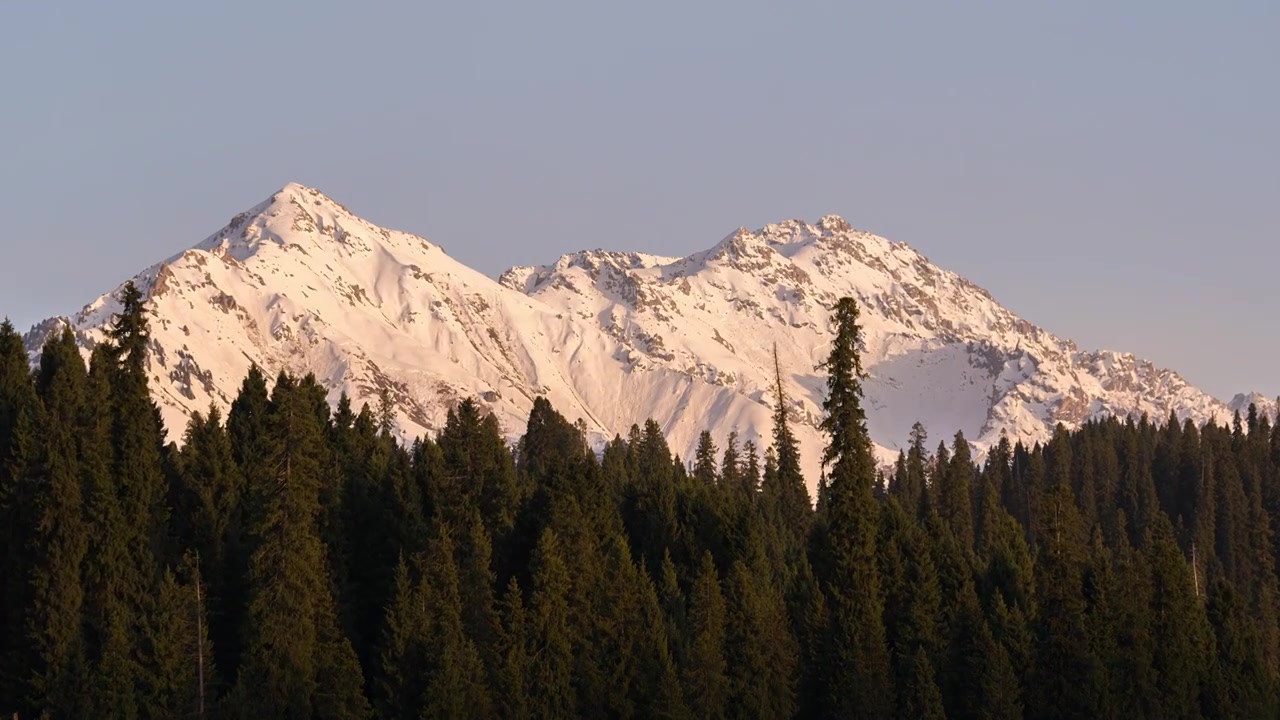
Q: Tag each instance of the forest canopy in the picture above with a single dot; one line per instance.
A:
(293, 560)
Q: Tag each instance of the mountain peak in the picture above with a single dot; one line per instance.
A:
(831, 224)
(298, 283)
(304, 196)
(295, 190)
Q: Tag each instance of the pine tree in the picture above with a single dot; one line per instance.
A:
(396, 694)
(676, 609)
(476, 580)
(858, 685)
(750, 469)
(184, 669)
(1240, 686)
(68, 460)
(136, 435)
(760, 651)
(955, 493)
(705, 682)
(1182, 660)
(511, 693)
(920, 697)
(1067, 675)
(704, 464)
(731, 462)
(649, 509)
(297, 662)
(912, 600)
(455, 677)
(19, 429)
(550, 647)
(784, 488)
(910, 490)
(208, 512)
(475, 451)
(115, 584)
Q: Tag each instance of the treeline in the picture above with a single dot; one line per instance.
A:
(290, 561)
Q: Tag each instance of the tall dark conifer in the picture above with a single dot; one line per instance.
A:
(551, 692)
(19, 421)
(911, 490)
(455, 674)
(136, 435)
(70, 458)
(760, 651)
(731, 462)
(704, 463)
(704, 676)
(1183, 657)
(785, 488)
(750, 469)
(858, 684)
(297, 662)
(208, 503)
(1067, 675)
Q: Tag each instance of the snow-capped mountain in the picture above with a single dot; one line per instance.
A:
(299, 283)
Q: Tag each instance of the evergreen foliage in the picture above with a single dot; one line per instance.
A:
(288, 560)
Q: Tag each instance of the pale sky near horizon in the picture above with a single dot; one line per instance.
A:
(1109, 171)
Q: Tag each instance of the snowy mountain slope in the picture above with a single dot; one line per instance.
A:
(299, 283)
(937, 349)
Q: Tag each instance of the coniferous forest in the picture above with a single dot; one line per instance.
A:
(289, 560)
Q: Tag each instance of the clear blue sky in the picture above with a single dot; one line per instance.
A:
(1110, 171)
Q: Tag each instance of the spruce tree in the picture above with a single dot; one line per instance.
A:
(397, 689)
(1183, 657)
(136, 435)
(919, 695)
(1067, 675)
(704, 464)
(511, 693)
(1240, 686)
(760, 650)
(858, 684)
(912, 599)
(68, 460)
(476, 580)
(474, 450)
(705, 681)
(910, 490)
(116, 585)
(19, 430)
(297, 662)
(676, 609)
(983, 683)
(955, 494)
(1130, 672)
(784, 488)
(455, 675)
(750, 469)
(185, 677)
(208, 502)
(649, 509)
(731, 462)
(551, 691)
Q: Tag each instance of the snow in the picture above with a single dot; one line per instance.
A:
(298, 283)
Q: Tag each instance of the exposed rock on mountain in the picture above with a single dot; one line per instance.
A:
(298, 283)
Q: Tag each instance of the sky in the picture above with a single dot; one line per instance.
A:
(1109, 171)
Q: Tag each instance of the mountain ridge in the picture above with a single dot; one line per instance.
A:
(299, 283)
